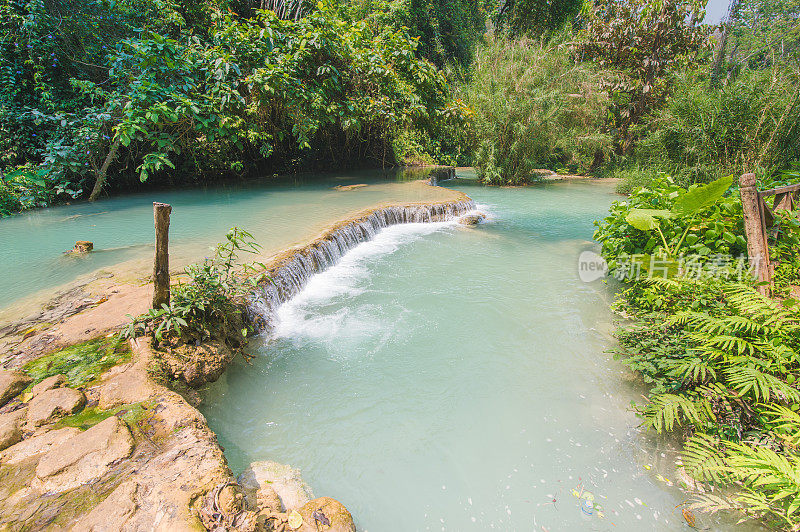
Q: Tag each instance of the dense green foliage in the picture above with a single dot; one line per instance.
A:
(645, 43)
(722, 362)
(138, 91)
(536, 17)
(533, 107)
(751, 124)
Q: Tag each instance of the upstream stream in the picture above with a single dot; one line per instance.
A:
(278, 211)
(441, 377)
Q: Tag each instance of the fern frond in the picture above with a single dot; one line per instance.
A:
(762, 385)
(667, 410)
(692, 369)
(703, 458)
(786, 422)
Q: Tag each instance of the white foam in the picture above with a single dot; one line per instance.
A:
(301, 315)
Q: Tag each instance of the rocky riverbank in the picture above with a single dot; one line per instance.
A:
(113, 448)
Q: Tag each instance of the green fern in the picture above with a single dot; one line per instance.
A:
(667, 410)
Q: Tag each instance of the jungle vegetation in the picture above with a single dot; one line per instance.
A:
(99, 97)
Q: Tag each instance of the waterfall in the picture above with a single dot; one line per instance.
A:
(290, 272)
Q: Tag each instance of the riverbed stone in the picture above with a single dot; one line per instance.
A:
(11, 383)
(471, 219)
(54, 404)
(50, 383)
(41, 442)
(11, 428)
(284, 480)
(325, 512)
(85, 457)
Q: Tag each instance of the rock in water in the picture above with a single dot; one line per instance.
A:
(11, 383)
(11, 428)
(283, 479)
(471, 219)
(83, 246)
(53, 404)
(326, 514)
(84, 457)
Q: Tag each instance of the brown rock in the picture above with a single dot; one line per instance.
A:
(50, 383)
(471, 219)
(125, 387)
(325, 512)
(37, 444)
(231, 500)
(54, 404)
(11, 383)
(11, 428)
(283, 479)
(112, 514)
(83, 246)
(84, 457)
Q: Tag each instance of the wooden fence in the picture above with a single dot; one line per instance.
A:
(759, 219)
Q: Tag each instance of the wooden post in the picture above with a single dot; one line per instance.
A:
(754, 230)
(161, 212)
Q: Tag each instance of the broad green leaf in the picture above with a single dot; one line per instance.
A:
(696, 199)
(646, 219)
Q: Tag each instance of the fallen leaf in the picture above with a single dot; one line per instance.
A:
(295, 520)
(689, 516)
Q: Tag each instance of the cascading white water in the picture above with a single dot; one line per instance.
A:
(292, 274)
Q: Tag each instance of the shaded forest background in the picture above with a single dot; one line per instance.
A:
(98, 97)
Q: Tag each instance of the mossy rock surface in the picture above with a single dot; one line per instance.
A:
(81, 363)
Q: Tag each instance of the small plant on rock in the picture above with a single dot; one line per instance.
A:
(209, 305)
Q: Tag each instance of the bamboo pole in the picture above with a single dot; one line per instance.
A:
(161, 212)
(754, 230)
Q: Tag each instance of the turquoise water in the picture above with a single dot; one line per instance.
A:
(279, 212)
(451, 378)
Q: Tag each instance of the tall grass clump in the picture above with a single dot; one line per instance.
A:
(534, 107)
(749, 124)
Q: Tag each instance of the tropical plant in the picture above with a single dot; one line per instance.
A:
(207, 305)
(646, 42)
(704, 224)
(536, 17)
(688, 204)
(533, 107)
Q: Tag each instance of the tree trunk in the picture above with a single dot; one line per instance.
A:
(101, 174)
(161, 212)
(719, 50)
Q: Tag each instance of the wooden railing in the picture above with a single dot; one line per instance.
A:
(759, 218)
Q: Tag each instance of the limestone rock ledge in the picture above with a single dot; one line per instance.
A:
(162, 470)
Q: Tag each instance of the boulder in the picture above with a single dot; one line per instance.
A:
(114, 513)
(50, 383)
(36, 444)
(325, 512)
(11, 383)
(84, 457)
(471, 219)
(125, 387)
(53, 404)
(83, 246)
(282, 479)
(11, 428)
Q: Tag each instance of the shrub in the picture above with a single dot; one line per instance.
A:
(208, 306)
(534, 107)
(750, 124)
